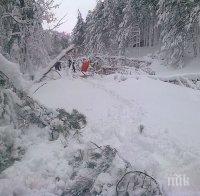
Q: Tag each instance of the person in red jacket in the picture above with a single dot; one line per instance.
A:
(85, 65)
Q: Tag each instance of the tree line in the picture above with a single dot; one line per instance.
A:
(115, 25)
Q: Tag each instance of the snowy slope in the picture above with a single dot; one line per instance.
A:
(170, 114)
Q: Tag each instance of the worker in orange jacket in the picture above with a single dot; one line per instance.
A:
(85, 65)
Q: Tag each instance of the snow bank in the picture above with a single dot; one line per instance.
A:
(190, 76)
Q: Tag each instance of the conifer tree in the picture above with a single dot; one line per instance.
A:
(78, 34)
(177, 26)
(129, 30)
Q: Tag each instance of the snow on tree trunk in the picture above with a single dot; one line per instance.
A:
(190, 80)
(51, 65)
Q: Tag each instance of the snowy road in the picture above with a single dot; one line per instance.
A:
(170, 143)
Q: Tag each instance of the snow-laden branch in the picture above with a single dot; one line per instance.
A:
(12, 72)
(15, 18)
(59, 23)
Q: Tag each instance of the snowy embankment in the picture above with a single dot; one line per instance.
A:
(169, 143)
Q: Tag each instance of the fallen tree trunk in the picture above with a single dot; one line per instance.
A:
(102, 64)
(190, 80)
(190, 76)
(53, 62)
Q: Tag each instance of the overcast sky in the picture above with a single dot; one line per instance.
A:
(70, 7)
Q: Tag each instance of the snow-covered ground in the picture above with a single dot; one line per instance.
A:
(170, 116)
(115, 108)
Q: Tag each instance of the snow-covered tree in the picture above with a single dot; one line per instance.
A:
(147, 16)
(194, 26)
(94, 29)
(115, 25)
(179, 28)
(112, 17)
(79, 32)
(22, 32)
(102, 26)
(88, 31)
(129, 30)
(55, 42)
(47, 8)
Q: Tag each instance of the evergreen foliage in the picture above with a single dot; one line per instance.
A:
(115, 26)
(79, 31)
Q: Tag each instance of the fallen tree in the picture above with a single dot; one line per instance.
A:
(51, 65)
(18, 111)
(190, 80)
(106, 65)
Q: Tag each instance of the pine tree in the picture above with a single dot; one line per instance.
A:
(95, 30)
(78, 34)
(113, 15)
(177, 26)
(115, 25)
(129, 30)
(89, 32)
